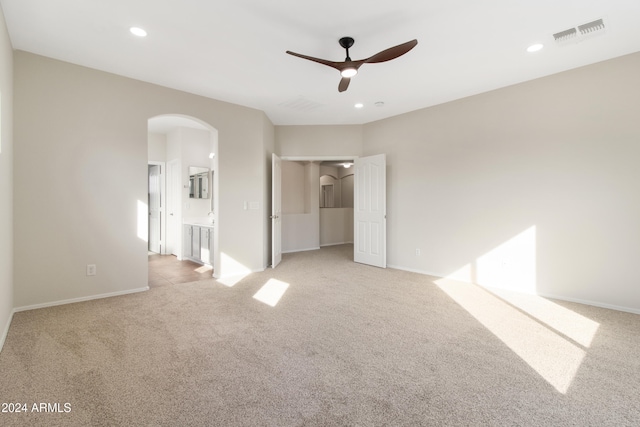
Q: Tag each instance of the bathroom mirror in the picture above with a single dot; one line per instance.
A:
(198, 182)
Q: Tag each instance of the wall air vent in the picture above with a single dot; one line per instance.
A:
(580, 33)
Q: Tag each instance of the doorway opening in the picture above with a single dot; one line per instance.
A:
(317, 202)
(364, 224)
(183, 185)
(156, 186)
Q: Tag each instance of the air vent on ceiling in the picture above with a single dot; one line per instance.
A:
(566, 35)
(580, 33)
(591, 27)
(301, 104)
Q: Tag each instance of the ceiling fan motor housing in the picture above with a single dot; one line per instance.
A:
(346, 42)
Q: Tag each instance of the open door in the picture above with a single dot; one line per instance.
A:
(370, 211)
(155, 208)
(172, 208)
(276, 211)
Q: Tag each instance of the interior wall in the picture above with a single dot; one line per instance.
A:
(293, 187)
(336, 226)
(536, 183)
(89, 130)
(6, 180)
(301, 230)
(346, 185)
(328, 140)
(157, 147)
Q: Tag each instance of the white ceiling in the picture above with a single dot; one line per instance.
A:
(235, 51)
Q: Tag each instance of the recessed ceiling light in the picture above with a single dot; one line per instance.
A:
(359, 105)
(379, 104)
(137, 31)
(535, 47)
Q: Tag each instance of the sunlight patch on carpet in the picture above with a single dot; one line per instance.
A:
(231, 281)
(271, 292)
(561, 319)
(552, 356)
(231, 271)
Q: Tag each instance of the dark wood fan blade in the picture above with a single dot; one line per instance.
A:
(392, 52)
(337, 65)
(344, 84)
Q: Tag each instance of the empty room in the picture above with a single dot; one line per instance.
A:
(319, 213)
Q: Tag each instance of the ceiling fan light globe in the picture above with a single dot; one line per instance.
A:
(348, 72)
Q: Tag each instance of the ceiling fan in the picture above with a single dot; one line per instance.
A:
(349, 68)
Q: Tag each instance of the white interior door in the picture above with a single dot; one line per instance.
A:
(370, 211)
(173, 204)
(276, 211)
(155, 208)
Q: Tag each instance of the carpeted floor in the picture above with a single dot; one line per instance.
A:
(345, 345)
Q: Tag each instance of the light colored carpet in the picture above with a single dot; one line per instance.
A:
(346, 345)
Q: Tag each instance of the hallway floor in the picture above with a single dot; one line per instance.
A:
(167, 270)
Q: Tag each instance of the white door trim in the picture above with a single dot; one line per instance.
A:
(276, 210)
(173, 234)
(163, 201)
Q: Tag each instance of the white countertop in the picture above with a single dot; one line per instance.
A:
(199, 224)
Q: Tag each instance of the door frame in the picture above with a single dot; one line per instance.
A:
(276, 210)
(336, 158)
(173, 241)
(163, 201)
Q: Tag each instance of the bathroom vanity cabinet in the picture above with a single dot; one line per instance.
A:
(198, 243)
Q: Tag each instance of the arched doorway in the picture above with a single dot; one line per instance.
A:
(183, 184)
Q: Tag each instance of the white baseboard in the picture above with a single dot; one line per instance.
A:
(543, 295)
(301, 250)
(5, 332)
(335, 244)
(414, 270)
(81, 299)
(593, 303)
(226, 276)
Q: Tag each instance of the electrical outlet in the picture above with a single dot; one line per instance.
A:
(91, 269)
(417, 252)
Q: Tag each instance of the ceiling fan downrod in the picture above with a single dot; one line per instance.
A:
(346, 43)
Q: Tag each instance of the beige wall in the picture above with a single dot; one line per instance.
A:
(157, 147)
(301, 231)
(336, 226)
(6, 180)
(532, 187)
(318, 141)
(85, 134)
(293, 187)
